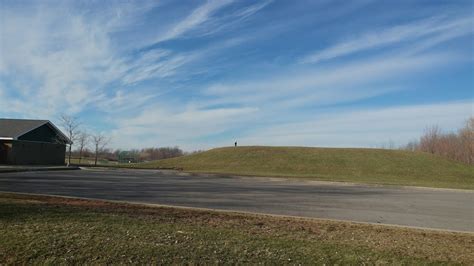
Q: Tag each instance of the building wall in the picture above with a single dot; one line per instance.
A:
(39, 153)
(43, 133)
(5, 147)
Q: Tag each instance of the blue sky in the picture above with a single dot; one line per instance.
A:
(201, 74)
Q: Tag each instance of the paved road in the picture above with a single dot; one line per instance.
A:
(431, 208)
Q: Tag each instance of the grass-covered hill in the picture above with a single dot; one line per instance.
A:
(375, 166)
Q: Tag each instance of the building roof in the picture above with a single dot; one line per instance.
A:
(15, 128)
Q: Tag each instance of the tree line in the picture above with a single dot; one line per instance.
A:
(128, 156)
(88, 145)
(152, 154)
(457, 145)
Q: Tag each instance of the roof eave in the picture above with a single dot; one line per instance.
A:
(68, 141)
(29, 130)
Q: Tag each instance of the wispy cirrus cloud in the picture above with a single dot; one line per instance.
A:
(368, 127)
(164, 124)
(202, 73)
(321, 86)
(70, 59)
(436, 30)
(362, 127)
(197, 17)
(268, 100)
(250, 10)
(156, 63)
(231, 20)
(160, 63)
(58, 58)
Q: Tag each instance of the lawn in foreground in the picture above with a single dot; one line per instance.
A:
(373, 166)
(38, 229)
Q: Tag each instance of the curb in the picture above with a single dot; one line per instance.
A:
(38, 169)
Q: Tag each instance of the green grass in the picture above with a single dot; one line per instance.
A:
(375, 166)
(50, 230)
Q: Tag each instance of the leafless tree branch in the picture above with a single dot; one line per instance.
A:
(71, 127)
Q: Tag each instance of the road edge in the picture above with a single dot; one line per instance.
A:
(245, 212)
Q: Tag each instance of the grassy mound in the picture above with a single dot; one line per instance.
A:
(332, 164)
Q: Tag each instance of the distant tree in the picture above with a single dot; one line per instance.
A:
(466, 136)
(411, 146)
(82, 141)
(99, 141)
(429, 140)
(150, 154)
(71, 127)
(457, 146)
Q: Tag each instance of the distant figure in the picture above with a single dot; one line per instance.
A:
(235, 144)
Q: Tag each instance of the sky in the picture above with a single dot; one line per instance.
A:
(203, 74)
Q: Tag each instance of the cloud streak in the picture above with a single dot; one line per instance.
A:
(157, 124)
(428, 28)
(342, 83)
(70, 61)
(197, 17)
(360, 127)
(199, 75)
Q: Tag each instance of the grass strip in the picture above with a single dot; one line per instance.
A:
(55, 230)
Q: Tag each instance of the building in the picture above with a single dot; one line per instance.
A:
(27, 142)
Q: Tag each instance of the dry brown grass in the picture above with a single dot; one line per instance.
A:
(423, 245)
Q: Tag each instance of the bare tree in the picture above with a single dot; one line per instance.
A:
(149, 154)
(429, 140)
(99, 141)
(466, 135)
(455, 146)
(82, 141)
(71, 126)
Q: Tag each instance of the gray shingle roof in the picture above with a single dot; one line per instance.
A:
(14, 128)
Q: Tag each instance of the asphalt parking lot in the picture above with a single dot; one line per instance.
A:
(429, 208)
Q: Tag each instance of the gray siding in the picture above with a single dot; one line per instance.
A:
(39, 153)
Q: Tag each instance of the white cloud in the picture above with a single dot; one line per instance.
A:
(364, 127)
(154, 63)
(231, 20)
(419, 30)
(317, 86)
(250, 10)
(165, 126)
(123, 101)
(196, 18)
(66, 55)
(159, 63)
(67, 59)
(64, 58)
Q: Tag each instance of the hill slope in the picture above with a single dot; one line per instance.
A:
(332, 164)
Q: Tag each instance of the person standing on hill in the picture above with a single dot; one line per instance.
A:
(235, 144)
